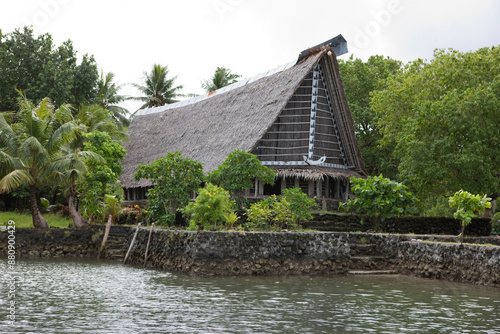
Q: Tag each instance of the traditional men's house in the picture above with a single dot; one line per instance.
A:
(294, 118)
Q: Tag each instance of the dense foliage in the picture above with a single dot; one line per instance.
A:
(174, 178)
(33, 149)
(40, 69)
(102, 176)
(361, 79)
(443, 118)
(379, 196)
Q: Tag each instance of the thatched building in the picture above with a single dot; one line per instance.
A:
(294, 118)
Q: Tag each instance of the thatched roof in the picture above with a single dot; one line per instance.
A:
(211, 128)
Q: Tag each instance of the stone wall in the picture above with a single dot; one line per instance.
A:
(244, 253)
(54, 242)
(461, 263)
(281, 253)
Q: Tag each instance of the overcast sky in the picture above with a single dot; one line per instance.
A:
(193, 37)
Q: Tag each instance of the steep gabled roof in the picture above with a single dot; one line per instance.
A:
(211, 128)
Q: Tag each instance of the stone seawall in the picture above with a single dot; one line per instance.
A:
(54, 242)
(460, 263)
(282, 253)
(244, 253)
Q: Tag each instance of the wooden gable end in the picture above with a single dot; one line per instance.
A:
(305, 132)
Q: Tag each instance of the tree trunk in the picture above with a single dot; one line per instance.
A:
(77, 218)
(38, 220)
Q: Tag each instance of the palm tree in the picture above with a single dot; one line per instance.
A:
(108, 98)
(95, 118)
(29, 145)
(222, 77)
(69, 169)
(157, 89)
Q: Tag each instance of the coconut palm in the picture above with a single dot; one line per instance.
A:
(222, 77)
(158, 90)
(69, 169)
(95, 118)
(108, 98)
(29, 145)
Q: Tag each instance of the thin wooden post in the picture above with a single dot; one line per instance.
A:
(106, 234)
(147, 246)
(132, 243)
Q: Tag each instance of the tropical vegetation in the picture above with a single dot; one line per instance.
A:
(157, 89)
(175, 178)
(430, 127)
(467, 206)
(381, 197)
(221, 78)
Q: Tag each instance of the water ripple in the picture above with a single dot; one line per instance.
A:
(100, 297)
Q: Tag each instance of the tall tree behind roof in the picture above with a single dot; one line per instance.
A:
(158, 90)
(222, 77)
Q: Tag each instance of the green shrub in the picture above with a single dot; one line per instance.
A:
(260, 214)
(212, 207)
(285, 211)
(379, 196)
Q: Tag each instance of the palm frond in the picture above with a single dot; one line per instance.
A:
(64, 134)
(14, 180)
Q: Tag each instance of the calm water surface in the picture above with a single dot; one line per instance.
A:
(102, 297)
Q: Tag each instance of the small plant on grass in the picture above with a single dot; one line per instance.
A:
(212, 208)
(468, 206)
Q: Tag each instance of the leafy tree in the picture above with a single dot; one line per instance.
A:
(157, 89)
(467, 205)
(222, 78)
(35, 66)
(108, 98)
(238, 171)
(102, 177)
(29, 145)
(443, 117)
(379, 196)
(360, 80)
(213, 205)
(174, 179)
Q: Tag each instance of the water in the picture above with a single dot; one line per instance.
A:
(102, 297)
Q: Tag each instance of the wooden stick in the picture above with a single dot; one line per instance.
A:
(106, 234)
(147, 245)
(132, 243)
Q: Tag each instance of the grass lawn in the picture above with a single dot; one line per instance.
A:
(24, 219)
